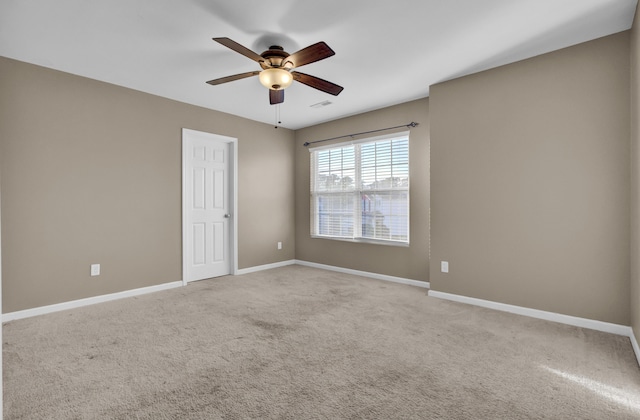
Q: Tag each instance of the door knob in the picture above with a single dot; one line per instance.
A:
(226, 216)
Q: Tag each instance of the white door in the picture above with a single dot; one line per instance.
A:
(206, 205)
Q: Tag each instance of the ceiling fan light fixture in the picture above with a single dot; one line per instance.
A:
(275, 78)
(278, 66)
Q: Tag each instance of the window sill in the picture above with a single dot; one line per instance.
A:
(364, 241)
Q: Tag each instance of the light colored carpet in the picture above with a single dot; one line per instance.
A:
(302, 343)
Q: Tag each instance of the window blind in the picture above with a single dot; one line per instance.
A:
(360, 191)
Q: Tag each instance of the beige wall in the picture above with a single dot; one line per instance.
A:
(408, 262)
(91, 173)
(530, 182)
(635, 176)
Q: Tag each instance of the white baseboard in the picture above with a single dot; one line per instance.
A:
(26, 313)
(536, 313)
(264, 267)
(634, 344)
(424, 284)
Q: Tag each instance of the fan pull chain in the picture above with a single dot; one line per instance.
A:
(278, 122)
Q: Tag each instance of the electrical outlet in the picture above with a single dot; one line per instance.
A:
(444, 266)
(279, 245)
(95, 270)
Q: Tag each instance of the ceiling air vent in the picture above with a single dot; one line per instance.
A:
(321, 104)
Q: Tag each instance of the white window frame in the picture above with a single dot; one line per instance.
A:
(357, 213)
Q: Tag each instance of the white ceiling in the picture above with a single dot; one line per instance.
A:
(387, 52)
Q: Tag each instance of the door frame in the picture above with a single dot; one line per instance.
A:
(233, 198)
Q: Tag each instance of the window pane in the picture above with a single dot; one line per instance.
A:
(335, 213)
(385, 215)
(335, 169)
(385, 164)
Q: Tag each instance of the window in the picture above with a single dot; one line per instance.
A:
(360, 191)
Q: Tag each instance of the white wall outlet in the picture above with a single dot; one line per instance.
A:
(279, 245)
(95, 269)
(444, 266)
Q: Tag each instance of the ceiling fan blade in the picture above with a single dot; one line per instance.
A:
(317, 83)
(239, 49)
(232, 78)
(311, 54)
(276, 96)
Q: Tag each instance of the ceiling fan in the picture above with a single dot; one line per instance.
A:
(277, 68)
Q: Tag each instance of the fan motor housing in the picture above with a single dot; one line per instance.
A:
(274, 57)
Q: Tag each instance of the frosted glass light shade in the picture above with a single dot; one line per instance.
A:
(275, 79)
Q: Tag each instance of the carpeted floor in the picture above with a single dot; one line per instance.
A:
(302, 343)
